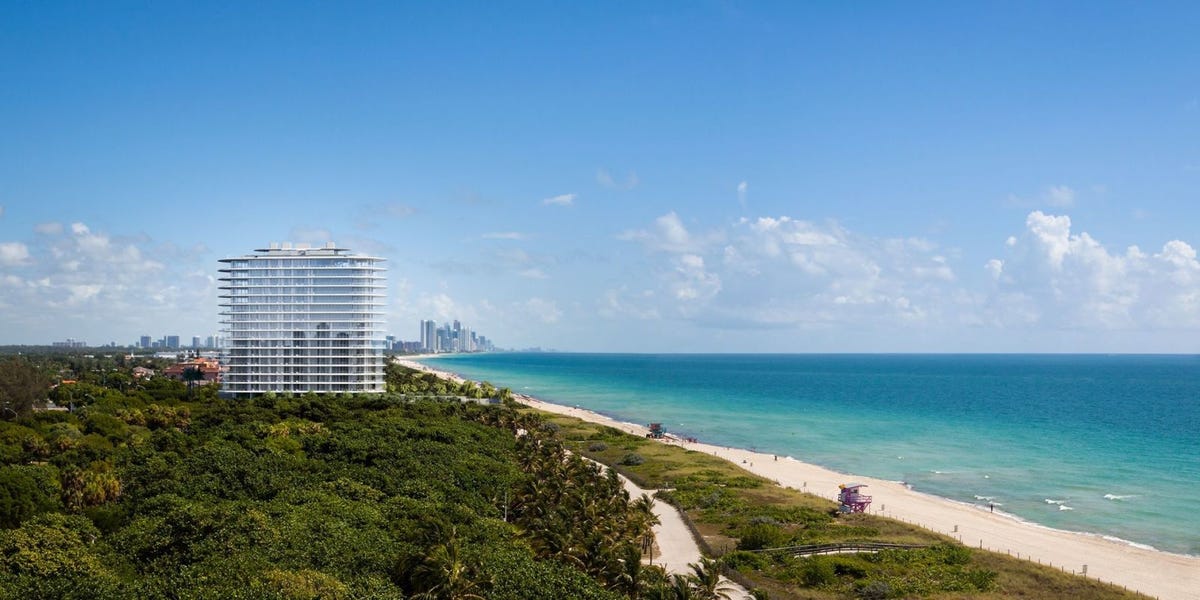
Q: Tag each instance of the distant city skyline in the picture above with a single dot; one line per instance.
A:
(706, 177)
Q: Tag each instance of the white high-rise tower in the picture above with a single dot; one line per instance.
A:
(302, 320)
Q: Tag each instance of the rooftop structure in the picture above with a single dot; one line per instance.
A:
(300, 319)
(209, 370)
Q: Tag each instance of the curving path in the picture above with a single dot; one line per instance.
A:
(676, 546)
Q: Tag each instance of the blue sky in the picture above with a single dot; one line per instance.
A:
(707, 176)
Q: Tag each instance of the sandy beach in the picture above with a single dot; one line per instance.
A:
(1155, 573)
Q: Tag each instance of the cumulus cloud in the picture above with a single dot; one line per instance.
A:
(621, 302)
(670, 235)
(559, 200)
(1054, 277)
(13, 253)
(91, 280)
(781, 271)
(995, 267)
(604, 178)
(693, 282)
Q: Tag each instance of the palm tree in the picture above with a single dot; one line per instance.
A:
(682, 588)
(444, 574)
(191, 375)
(706, 580)
(643, 521)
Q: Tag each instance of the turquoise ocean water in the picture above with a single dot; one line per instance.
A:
(1108, 445)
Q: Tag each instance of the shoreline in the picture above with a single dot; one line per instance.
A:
(1106, 558)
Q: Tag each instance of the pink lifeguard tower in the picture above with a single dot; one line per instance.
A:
(853, 501)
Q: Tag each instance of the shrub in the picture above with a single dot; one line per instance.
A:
(757, 536)
(952, 554)
(982, 580)
(632, 459)
(875, 590)
(597, 447)
(817, 571)
(738, 559)
(848, 565)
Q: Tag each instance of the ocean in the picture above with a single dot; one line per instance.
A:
(1107, 445)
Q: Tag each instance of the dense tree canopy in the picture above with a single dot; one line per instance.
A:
(22, 385)
(141, 492)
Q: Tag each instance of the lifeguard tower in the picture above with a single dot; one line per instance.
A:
(657, 431)
(851, 499)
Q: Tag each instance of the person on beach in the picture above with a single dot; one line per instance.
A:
(991, 507)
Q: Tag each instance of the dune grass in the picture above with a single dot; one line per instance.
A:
(729, 506)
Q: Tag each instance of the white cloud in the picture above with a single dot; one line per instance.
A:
(441, 307)
(785, 272)
(13, 254)
(559, 200)
(742, 189)
(604, 178)
(504, 235)
(1052, 196)
(673, 230)
(618, 303)
(91, 281)
(51, 228)
(546, 311)
(670, 235)
(995, 267)
(1062, 280)
(693, 281)
(1059, 196)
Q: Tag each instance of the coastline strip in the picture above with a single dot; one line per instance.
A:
(1146, 570)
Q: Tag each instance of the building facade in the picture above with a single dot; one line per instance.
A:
(302, 320)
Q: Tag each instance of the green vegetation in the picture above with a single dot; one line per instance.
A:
(149, 489)
(737, 514)
(21, 385)
(143, 491)
(144, 494)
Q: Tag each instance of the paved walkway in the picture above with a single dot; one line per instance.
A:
(676, 546)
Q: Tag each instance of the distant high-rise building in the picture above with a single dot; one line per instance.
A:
(442, 342)
(172, 341)
(195, 341)
(209, 342)
(303, 319)
(145, 341)
(429, 336)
